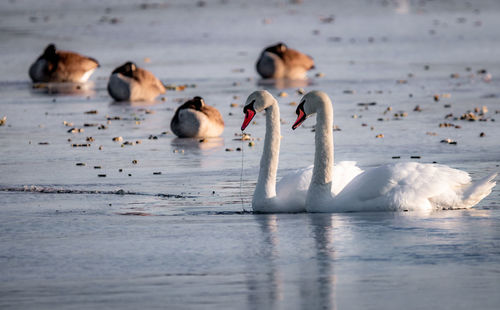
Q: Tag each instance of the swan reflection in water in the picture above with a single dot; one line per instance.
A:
(264, 278)
(318, 292)
(308, 279)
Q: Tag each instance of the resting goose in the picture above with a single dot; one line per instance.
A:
(131, 83)
(280, 62)
(62, 66)
(195, 119)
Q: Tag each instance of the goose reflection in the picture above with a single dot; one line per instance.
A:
(197, 153)
(135, 103)
(284, 83)
(77, 89)
(198, 145)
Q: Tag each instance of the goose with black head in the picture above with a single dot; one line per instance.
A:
(131, 83)
(280, 62)
(195, 119)
(56, 66)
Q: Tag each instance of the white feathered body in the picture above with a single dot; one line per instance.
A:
(406, 187)
(291, 190)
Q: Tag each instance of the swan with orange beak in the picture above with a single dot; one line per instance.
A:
(406, 186)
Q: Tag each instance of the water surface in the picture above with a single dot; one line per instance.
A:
(185, 239)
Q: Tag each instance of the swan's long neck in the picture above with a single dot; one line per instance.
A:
(323, 157)
(266, 184)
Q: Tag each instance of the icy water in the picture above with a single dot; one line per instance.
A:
(185, 239)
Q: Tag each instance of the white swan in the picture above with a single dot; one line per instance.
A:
(290, 193)
(393, 187)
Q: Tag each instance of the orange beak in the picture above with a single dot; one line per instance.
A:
(301, 117)
(249, 114)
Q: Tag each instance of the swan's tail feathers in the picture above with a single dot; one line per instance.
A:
(478, 190)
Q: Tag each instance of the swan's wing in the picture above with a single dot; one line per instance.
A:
(405, 186)
(343, 173)
(294, 185)
(478, 190)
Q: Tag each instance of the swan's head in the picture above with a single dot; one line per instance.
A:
(309, 105)
(257, 101)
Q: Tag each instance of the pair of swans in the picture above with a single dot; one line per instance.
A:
(344, 187)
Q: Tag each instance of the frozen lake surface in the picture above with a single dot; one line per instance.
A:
(185, 239)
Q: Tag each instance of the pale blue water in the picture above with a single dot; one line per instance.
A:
(87, 246)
